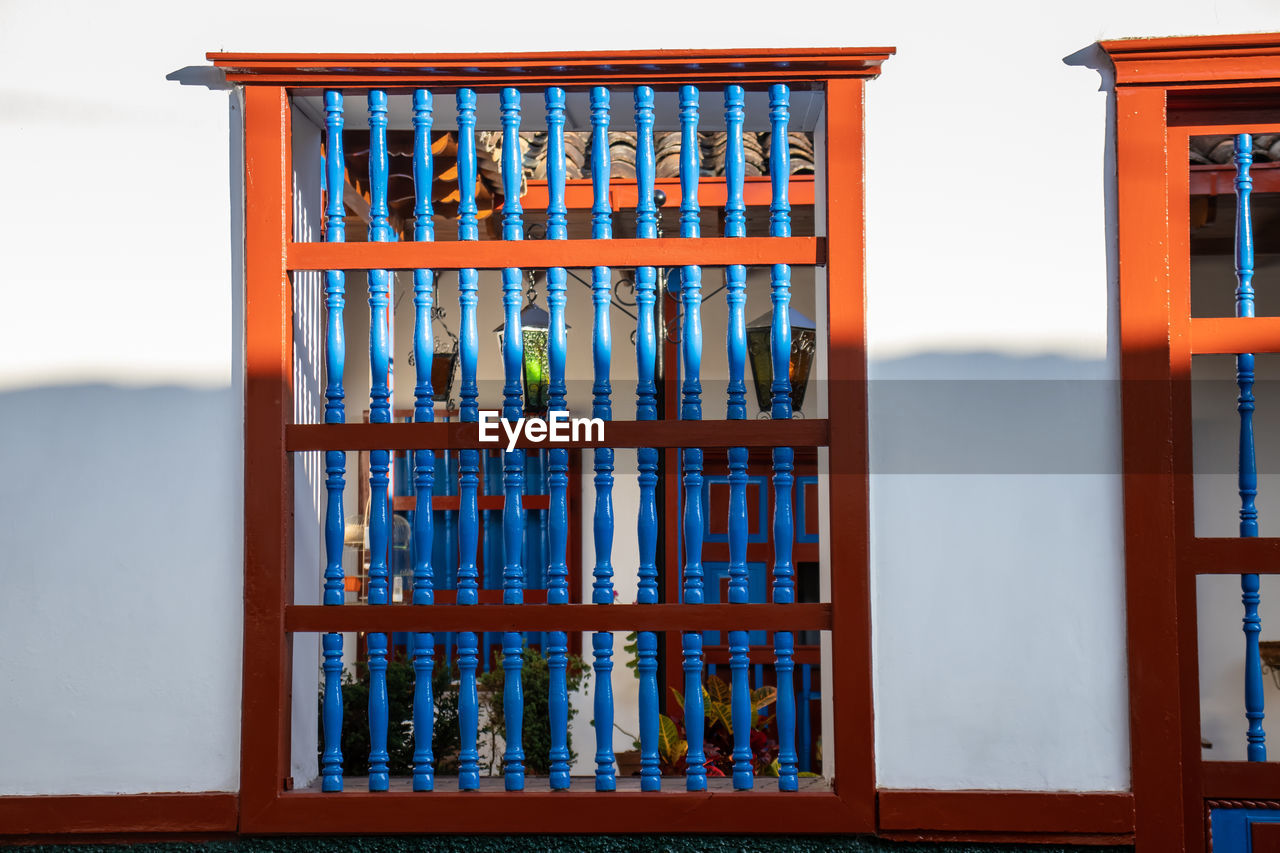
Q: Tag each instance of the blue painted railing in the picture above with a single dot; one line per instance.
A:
(735, 225)
(647, 457)
(557, 458)
(424, 460)
(1254, 700)
(534, 548)
(379, 460)
(691, 409)
(335, 460)
(783, 457)
(513, 460)
(601, 407)
(469, 466)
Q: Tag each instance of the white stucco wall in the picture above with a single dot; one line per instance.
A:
(997, 593)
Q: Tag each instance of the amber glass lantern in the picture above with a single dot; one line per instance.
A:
(444, 358)
(534, 329)
(443, 364)
(759, 353)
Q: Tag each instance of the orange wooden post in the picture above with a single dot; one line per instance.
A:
(1164, 807)
(847, 398)
(268, 480)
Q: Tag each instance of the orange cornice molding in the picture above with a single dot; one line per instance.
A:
(498, 69)
(1196, 60)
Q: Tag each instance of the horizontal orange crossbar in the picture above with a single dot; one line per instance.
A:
(803, 654)
(451, 502)
(108, 814)
(560, 68)
(1007, 811)
(449, 597)
(763, 811)
(712, 192)
(461, 436)
(1230, 335)
(558, 617)
(1221, 180)
(1235, 780)
(1231, 556)
(543, 254)
(1194, 59)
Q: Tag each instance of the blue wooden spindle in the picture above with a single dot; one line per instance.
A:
(783, 457)
(647, 457)
(512, 460)
(424, 460)
(335, 460)
(1250, 585)
(469, 460)
(557, 458)
(331, 761)
(379, 460)
(735, 225)
(691, 409)
(601, 407)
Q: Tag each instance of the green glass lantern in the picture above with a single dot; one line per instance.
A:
(759, 354)
(535, 327)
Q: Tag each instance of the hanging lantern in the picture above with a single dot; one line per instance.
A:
(759, 353)
(534, 328)
(444, 357)
(444, 361)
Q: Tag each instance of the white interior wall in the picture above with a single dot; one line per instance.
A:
(1216, 428)
(822, 408)
(309, 556)
(998, 606)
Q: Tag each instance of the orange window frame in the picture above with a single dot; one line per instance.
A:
(1168, 90)
(266, 806)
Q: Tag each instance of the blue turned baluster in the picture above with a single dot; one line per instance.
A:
(379, 460)
(424, 460)
(1254, 700)
(783, 457)
(335, 461)
(602, 407)
(735, 225)
(691, 409)
(647, 457)
(469, 460)
(557, 458)
(512, 460)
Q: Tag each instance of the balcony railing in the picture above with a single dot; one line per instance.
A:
(674, 425)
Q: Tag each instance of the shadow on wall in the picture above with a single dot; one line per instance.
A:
(122, 551)
(996, 514)
(990, 413)
(206, 76)
(1095, 58)
(996, 413)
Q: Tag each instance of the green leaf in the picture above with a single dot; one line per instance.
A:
(718, 712)
(633, 659)
(762, 697)
(772, 769)
(718, 689)
(679, 698)
(668, 738)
